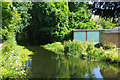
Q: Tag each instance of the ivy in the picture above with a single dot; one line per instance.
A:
(53, 21)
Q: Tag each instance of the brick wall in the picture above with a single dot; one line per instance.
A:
(110, 38)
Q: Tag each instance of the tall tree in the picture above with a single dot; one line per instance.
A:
(50, 21)
(54, 21)
(107, 9)
(80, 16)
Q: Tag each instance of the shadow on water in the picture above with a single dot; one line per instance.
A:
(45, 64)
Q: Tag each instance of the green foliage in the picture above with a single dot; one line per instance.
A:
(9, 26)
(15, 17)
(84, 50)
(80, 15)
(11, 19)
(61, 11)
(109, 46)
(55, 21)
(56, 47)
(90, 47)
(106, 23)
(112, 55)
(16, 14)
(23, 9)
(52, 21)
(13, 59)
(74, 47)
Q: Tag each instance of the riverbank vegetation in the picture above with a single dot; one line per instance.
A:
(85, 50)
(13, 56)
(37, 23)
(56, 47)
(13, 61)
(54, 22)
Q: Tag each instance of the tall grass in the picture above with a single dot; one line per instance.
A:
(85, 50)
(89, 51)
(56, 47)
(12, 60)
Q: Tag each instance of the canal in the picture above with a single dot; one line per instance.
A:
(46, 64)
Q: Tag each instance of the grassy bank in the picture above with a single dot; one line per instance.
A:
(84, 50)
(12, 59)
(56, 47)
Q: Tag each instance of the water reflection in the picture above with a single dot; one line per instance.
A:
(97, 73)
(45, 64)
(29, 63)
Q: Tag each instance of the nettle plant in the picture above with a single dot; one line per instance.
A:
(106, 23)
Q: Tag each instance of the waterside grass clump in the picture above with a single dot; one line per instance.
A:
(56, 47)
(12, 61)
(85, 50)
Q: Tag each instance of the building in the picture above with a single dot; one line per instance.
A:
(98, 35)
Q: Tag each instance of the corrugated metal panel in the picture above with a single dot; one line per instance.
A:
(80, 36)
(111, 31)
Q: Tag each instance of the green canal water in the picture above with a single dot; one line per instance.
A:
(45, 64)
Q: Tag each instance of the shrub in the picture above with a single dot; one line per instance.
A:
(90, 47)
(75, 48)
(98, 52)
(106, 23)
(112, 55)
(84, 50)
(109, 46)
(13, 59)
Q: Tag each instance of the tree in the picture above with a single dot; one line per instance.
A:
(80, 16)
(109, 13)
(10, 20)
(49, 22)
(23, 9)
(11, 24)
(15, 16)
(11, 55)
(54, 21)
(107, 9)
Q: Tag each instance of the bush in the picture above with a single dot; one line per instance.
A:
(75, 48)
(90, 47)
(13, 59)
(88, 50)
(84, 50)
(106, 23)
(98, 52)
(109, 46)
(112, 55)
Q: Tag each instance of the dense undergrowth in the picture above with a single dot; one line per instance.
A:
(12, 59)
(85, 50)
(12, 56)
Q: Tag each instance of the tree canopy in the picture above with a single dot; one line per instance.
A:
(107, 9)
(45, 22)
(54, 21)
